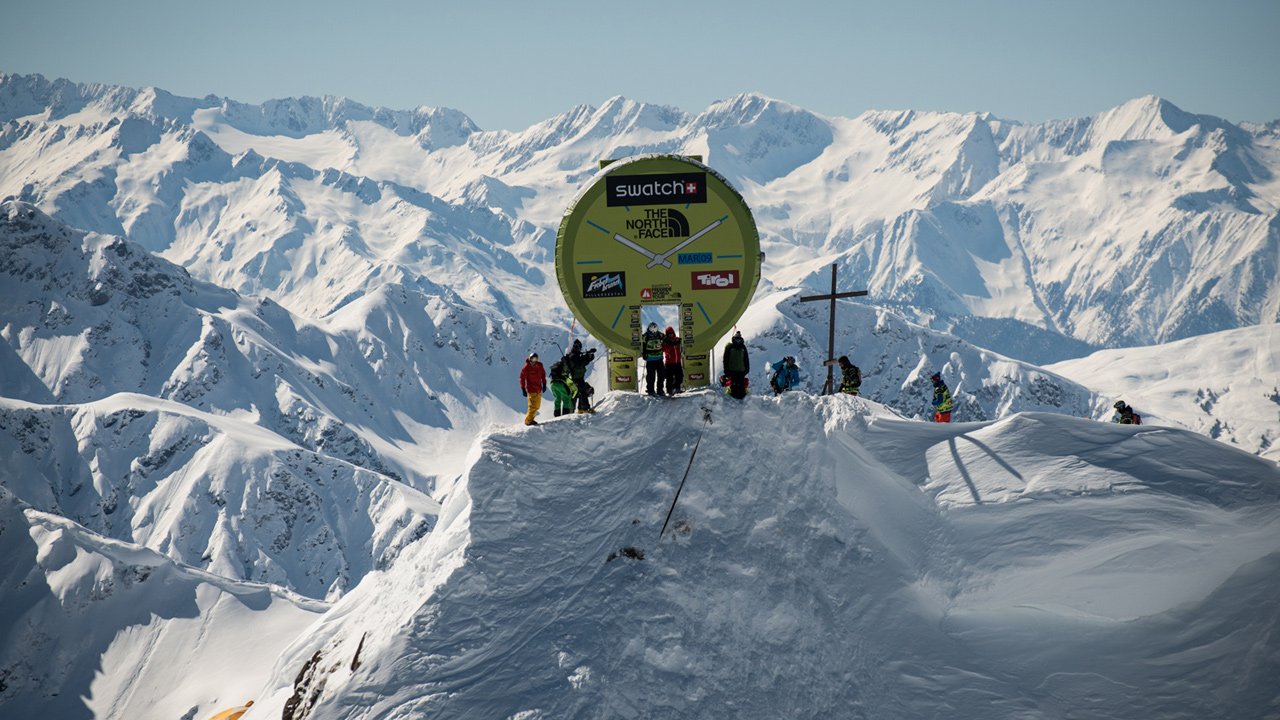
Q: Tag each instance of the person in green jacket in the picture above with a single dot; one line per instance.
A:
(736, 363)
(562, 388)
(941, 400)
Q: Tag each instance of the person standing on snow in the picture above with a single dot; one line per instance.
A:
(576, 363)
(533, 382)
(736, 363)
(562, 388)
(651, 351)
(850, 376)
(784, 375)
(673, 369)
(941, 400)
(1125, 414)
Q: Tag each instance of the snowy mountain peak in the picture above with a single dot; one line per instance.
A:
(900, 563)
(1147, 118)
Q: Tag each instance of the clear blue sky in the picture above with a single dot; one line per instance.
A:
(511, 64)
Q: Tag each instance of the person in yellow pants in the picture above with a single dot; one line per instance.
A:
(533, 382)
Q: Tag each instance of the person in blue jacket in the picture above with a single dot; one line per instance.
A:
(784, 375)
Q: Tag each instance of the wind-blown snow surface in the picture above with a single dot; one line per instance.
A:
(826, 559)
(1139, 225)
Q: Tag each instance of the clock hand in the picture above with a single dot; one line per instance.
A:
(653, 259)
(661, 259)
(630, 243)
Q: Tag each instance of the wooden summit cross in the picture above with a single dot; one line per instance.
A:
(831, 328)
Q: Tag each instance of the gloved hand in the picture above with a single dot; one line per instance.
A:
(522, 392)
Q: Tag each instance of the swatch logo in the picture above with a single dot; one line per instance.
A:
(665, 189)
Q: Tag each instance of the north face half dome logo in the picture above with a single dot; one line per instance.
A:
(658, 223)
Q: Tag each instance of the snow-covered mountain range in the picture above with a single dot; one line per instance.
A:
(1138, 226)
(258, 361)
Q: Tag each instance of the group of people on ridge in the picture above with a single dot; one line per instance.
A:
(784, 375)
(568, 382)
(663, 362)
(664, 374)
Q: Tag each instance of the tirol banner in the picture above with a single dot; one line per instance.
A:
(658, 230)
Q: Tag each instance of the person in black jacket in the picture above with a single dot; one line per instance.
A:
(576, 362)
(737, 364)
(850, 376)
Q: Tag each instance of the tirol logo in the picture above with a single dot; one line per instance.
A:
(604, 285)
(664, 189)
(659, 223)
(715, 279)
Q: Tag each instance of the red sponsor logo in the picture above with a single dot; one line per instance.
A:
(646, 294)
(715, 279)
(697, 376)
(622, 378)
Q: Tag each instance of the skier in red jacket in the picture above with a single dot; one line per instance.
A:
(673, 368)
(533, 382)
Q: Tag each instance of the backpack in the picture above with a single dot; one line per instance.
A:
(1137, 419)
(558, 371)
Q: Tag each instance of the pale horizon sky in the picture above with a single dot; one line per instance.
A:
(509, 65)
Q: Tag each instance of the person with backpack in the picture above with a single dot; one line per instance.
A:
(533, 382)
(941, 400)
(784, 375)
(1125, 414)
(850, 376)
(736, 363)
(576, 363)
(651, 351)
(673, 369)
(562, 388)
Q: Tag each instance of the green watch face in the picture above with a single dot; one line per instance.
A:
(658, 230)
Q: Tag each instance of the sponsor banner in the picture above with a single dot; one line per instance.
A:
(658, 223)
(694, 258)
(661, 189)
(623, 378)
(716, 279)
(697, 376)
(659, 293)
(604, 284)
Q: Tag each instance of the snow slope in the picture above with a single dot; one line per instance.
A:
(826, 559)
(97, 628)
(1225, 385)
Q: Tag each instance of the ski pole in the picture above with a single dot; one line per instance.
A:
(706, 420)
